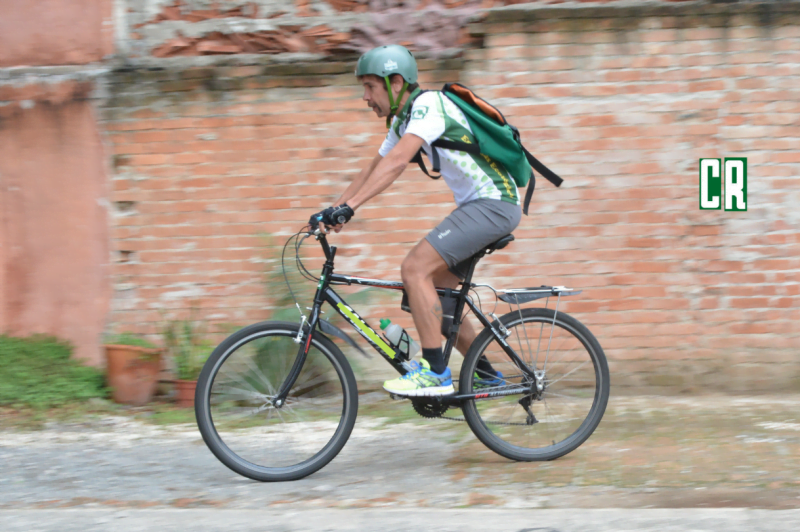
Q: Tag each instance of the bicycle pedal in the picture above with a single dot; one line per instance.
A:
(397, 397)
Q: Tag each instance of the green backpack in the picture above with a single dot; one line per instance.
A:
(495, 138)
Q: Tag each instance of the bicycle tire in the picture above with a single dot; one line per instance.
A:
(272, 334)
(480, 426)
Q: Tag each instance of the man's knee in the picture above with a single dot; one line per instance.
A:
(412, 271)
(422, 264)
(407, 270)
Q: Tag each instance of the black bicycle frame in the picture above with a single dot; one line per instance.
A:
(325, 293)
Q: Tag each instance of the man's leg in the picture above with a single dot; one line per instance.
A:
(419, 269)
(422, 271)
(466, 333)
(432, 377)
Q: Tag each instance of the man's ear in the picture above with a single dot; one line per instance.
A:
(397, 83)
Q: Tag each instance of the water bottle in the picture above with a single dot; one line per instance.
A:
(399, 339)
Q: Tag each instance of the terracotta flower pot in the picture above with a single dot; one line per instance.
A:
(132, 373)
(185, 393)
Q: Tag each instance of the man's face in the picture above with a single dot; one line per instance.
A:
(375, 95)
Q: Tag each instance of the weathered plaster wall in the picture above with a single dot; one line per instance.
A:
(54, 232)
(53, 190)
(54, 32)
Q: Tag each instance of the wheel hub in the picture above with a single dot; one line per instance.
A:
(541, 382)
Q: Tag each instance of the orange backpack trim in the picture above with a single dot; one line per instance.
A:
(468, 96)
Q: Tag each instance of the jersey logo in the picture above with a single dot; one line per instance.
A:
(465, 139)
(419, 112)
(390, 65)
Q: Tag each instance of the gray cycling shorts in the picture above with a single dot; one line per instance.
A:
(470, 228)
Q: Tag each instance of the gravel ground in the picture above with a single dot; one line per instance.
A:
(386, 520)
(649, 452)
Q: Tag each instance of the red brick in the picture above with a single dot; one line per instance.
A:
(700, 86)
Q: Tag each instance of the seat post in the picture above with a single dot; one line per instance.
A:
(459, 310)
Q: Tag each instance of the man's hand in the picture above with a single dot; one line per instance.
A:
(334, 217)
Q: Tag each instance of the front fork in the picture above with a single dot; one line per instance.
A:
(305, 343)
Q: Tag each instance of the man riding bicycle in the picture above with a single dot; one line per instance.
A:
(487, 199)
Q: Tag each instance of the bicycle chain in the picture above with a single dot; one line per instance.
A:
(423, 410)
(421, 406)
(462, 419)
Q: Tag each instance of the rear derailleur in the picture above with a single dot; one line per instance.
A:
(537, 390)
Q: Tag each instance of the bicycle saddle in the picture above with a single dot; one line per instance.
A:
(500, 244)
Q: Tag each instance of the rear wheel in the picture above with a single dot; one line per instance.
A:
(537, 425)
(235, 415)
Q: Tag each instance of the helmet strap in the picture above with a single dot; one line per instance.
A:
(393, 105)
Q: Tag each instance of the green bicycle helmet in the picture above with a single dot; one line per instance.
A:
(384, 61)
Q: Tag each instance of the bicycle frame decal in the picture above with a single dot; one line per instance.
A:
(361, 326)
(365, 330)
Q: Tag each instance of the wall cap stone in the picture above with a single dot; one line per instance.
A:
(25, 75)
(766, 10)
(289, 64)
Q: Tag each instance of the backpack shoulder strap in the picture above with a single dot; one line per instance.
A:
(421, 162)
(410, 106)
(418, 156)
(542, 169)
(438, 143)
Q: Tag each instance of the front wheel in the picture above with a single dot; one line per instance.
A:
(235, 415)
(537, 424)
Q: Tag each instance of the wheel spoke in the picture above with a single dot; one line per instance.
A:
(571, 372)
(261, 440)
(566, 405)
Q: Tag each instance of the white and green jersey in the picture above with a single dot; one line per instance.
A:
(470, 177)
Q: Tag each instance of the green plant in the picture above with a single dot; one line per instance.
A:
(130, 339)
(38, 372)
(187, 345)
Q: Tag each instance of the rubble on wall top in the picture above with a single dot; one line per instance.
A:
(173, 28)
(169, 28)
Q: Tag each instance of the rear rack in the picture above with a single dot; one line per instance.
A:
(524, 295)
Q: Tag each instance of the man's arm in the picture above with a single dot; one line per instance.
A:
(358, 182)
(386, 171)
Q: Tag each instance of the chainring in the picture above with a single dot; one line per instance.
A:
(426, 408)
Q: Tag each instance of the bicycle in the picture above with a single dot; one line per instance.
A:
(278, 400)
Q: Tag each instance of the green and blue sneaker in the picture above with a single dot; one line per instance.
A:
(487, 381)
(421, 381)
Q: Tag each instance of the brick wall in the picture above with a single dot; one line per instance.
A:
(216, 167)
(620, 101)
